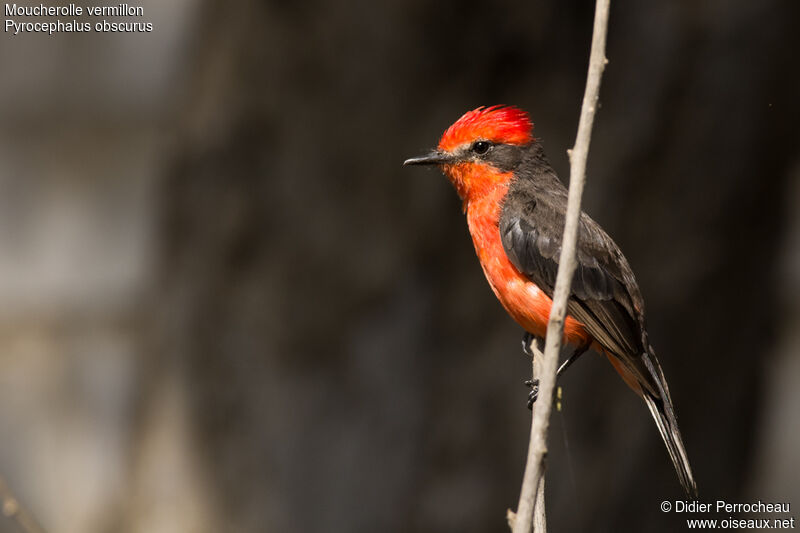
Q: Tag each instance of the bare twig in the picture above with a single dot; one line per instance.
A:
(13, 509)
(537, 448)
(539, 516)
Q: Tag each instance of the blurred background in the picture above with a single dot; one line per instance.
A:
(225, 306)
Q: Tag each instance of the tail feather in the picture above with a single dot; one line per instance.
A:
(668, 427)
(644, 375)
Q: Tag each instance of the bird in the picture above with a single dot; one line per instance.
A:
(515, 207)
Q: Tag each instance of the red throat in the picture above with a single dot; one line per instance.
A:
(474, 181)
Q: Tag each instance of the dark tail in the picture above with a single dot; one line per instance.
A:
(664, 416)
(643, 374)
(668, 427)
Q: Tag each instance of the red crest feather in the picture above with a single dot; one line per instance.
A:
(499, 124)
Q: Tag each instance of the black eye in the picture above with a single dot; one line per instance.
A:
(481, 147)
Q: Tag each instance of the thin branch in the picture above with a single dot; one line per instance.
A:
(13, 509)
(539, 516)
(537, 448)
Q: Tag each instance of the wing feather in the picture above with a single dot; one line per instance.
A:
(603, 289)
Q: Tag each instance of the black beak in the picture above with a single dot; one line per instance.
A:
(433, 158)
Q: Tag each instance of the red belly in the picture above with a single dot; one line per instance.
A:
(527, 304)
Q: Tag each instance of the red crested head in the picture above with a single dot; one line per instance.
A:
(496, 124)
(476, 151)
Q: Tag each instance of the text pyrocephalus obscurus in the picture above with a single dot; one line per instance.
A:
(516, 207)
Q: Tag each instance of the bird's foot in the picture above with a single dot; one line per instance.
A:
(534, 393)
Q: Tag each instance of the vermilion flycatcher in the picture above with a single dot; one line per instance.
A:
(516, 206)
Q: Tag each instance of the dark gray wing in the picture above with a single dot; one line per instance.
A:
(604, 296)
